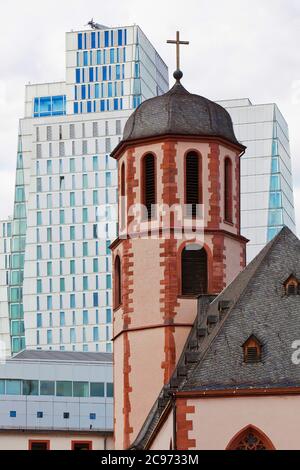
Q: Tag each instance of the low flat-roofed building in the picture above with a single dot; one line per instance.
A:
(56, 400)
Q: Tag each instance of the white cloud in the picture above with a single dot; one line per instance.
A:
(237, 48)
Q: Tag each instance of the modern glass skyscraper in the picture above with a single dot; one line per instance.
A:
(267, 201)
(59, 286)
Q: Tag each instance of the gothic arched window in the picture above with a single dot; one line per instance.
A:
(228, 190)
(117, 282)
(250, 438)
(149, 184)
(193, 182)
(193, 270)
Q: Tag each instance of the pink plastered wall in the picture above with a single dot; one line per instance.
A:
(217, 420)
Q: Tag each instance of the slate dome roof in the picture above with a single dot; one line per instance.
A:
(179, 112)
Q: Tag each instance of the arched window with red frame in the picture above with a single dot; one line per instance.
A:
(228, 202)
(149, 184)
(117, 282)
(193, 182)
(250, 438)
(123, 196)
(194, 270)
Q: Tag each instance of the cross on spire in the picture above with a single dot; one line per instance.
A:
(178, 43)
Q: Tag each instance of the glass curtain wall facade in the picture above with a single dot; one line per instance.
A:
(267, 201)
(66, 190)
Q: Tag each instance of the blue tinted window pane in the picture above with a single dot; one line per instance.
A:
(275, 200)
(36, 105)
(58, 105)
(116, 104)
(275, 183)
(77, 75)
(80, 389)
(75, 108)
(102, 105)
(83, 94)
(108, 315)
(275, 165)
(104, 73)
(95, 333)
(275, 217)
(275, 147)
(97, 389)
(120, 37)
(91, 74)
(109, 390)
(47, 387)
(85, 317)
(30, 387)
(63, 389)
(45, 105)
(97, 95)
(272, 232)
(109, 90)
(13, 387)
(2, 387)
(39, 320)
(112, 56)
(95, 299)
(118, 74)
(98, 57)
(89, 106)
(106, 38)
(85, 58)
(93, 40)
(79, 40)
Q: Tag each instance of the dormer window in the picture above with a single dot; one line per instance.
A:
(292, 286)
(252, 350)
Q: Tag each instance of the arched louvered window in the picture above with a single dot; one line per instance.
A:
(193, 270)
(292, 286)
(228, 190)
(117, 283)
(123, 199)
(252, 351)
(149, 185)
(193, 182)
(123, 179)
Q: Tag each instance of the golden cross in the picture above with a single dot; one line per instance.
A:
(178, 44)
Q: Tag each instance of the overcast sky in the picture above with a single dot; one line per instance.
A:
(238, 48)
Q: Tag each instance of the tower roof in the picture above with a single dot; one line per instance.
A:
(179, 112)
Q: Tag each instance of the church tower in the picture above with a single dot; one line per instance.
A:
(178, 151)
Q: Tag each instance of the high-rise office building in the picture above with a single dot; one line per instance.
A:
(5, 260)
(267, 201)
(59, 286)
